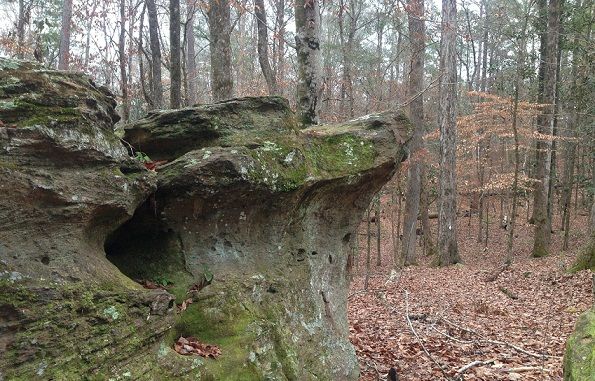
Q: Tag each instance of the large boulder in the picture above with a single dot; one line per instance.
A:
(269, 212)
(251, 226)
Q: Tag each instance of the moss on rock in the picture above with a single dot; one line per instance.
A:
(579, 359)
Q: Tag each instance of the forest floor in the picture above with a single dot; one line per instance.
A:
(460, 318)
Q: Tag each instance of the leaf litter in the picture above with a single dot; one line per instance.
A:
(472, 329)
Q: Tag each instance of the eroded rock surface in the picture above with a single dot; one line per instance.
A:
(270, 211)
(253, 215)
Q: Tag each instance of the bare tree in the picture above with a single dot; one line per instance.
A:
(122, 61)
(307, 38)
(416, 111)
(156, 86)
(545, 126)
(220, 44)
(64, 52)
(191, 72)
(263, 46)
(447, 211)
(175, 98)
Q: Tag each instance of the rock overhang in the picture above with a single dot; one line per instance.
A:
(264, 207)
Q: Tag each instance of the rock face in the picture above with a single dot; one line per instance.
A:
(579, 359)
(252, 219)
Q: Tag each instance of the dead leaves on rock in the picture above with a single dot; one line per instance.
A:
(192, 346)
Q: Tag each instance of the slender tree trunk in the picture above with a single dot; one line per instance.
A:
(156, 86)
(220, 34)
(122, 60)
(307, 39)
(515, 132)
(263, 47)
(21, 31)
(447, 211)
(400, 207)
(545, 126)
(485, 43)
(175, 97)
(89, 26)
(191, 72)
(424, 205)
(416, 111)
(280, 44)
(64, 52)
(368, 251)
(377, 212)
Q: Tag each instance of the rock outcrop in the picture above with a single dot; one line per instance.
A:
(579, 359)
(251, 218)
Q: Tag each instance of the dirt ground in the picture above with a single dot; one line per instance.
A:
(517, 326)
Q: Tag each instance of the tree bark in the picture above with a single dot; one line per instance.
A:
(279, 45)
(416, 111)
(220, 44)
(122, 60)
(424, 205)
(378, 230)
(191, 72)
(485, 43)
(263, 46)
(545, 126)
(447, 223)
(175, 97)
(307, 39)
(64, 52)
(21, 31)
(156, 86)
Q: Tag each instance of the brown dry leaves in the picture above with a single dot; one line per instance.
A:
(460, 318)
(191, 346)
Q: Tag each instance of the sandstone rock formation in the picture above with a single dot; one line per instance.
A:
(254, 216)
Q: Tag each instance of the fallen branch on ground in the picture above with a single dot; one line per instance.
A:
(462, 370)
(496, 342)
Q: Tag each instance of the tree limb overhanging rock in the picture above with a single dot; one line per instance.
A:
(261, 210)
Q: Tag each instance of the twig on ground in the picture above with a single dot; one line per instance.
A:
(525, 369)
(462, 370)
(444, 373)
(496, 342)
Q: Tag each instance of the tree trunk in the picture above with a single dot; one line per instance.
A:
(175, 97)
(64, 52)
(263, 46)
(377, 213)
(368, 248)
(424, 205)
(307, 39)
(220, 44)
(416, 111)
(191, 72)
(156, 86)
(279, 43)
(485, 43)
(517, 160)
(122, 60)
(447, 223)
(545, 126)
(21, 31)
